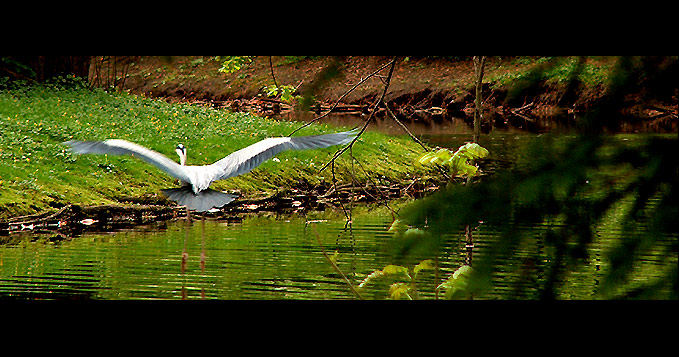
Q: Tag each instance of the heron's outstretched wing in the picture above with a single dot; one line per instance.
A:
(246, 159)
(124, 147)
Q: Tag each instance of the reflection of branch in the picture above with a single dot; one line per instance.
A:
(367, 121)
(519, 111)
(525, 117)
(337, 269)
(392, 62)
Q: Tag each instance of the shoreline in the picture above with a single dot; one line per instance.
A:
(422, 88)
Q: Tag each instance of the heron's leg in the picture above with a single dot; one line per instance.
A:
(202, 242)
(185, 253)
(188, 215)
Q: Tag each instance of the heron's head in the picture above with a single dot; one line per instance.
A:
(181, 151)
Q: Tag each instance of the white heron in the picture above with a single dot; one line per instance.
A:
(195, 193)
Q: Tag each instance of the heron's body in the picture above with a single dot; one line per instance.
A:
(196, 180)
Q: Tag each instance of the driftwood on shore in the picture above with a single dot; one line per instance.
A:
(276, 106)
(72, 220)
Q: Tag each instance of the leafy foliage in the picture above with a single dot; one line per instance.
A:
(285, 91)
(456, 286)
(458, 162)
(232, 64)
(573, 188)
(398, 291)
(404, 287)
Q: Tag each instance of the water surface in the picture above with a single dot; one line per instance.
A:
(277, 256)
(263, 256)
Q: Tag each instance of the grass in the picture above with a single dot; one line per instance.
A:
(554, 70)
(38, 173)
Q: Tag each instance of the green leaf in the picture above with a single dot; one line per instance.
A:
(397, 227)
(271, 91)
(463, 272)
(475, 150)
(334, 257)
(414, 232)
(374, 275)
(424, 265)
(286, 96)
(232, 64)
(435, 157)
(458, 162)
(399, 290)
(286, 92)
(395, 269)
(456, 286)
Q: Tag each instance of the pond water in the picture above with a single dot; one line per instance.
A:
(283, 255)
(269, 256)
(265, 256)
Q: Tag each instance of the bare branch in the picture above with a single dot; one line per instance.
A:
(393, 61)
(372, 115)
(393, 116)
(272, 75)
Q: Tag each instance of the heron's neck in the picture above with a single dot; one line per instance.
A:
(182, 157)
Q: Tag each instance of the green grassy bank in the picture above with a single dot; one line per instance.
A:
(37, 173)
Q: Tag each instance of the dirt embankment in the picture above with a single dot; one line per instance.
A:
(420, 88)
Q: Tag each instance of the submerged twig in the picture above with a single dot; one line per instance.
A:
(337, 269)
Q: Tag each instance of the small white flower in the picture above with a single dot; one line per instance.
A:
(276, 159)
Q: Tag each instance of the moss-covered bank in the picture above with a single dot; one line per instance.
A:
(37, 173)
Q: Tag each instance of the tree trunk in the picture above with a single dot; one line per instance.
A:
(479, 62)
